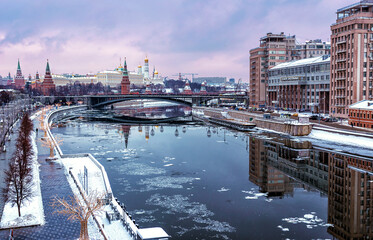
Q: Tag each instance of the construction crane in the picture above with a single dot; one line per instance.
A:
(183, 74)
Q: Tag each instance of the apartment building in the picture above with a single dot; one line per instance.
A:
(310, 49)
(300, 85)
(273, 49)
(351, 71)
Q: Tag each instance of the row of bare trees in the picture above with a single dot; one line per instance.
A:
(18, 177)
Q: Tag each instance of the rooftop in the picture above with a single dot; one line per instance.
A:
(306, 61)
(364, 104)
(361, 3)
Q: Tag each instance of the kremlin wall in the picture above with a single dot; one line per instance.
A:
(140, 78)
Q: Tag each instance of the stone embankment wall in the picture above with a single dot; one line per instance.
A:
(288, 127)
(285, 127)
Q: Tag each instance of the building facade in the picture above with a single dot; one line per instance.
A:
(273, 49)
(361, 114)
(310, 49)
(351, 57)
(300, 85)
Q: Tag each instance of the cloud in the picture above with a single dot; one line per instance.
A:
(210, 37)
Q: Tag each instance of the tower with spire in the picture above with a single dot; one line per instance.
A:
(146, 68)
(125, 83)
(19, 80)
(48, 85)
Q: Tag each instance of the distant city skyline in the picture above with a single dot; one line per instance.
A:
(211, 38)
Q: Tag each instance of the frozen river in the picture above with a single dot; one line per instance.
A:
(204, 182)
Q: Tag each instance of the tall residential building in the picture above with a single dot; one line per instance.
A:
(273, 49)
(351, 57)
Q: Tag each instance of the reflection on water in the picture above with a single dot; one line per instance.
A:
(208, 182)
(148, 109)
(345, 178)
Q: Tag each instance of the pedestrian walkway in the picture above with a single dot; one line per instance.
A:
(53, 183)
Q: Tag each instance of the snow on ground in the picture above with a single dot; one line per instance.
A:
(32, 211)
(113, 230)
(342, 138)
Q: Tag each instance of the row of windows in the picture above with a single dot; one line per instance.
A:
(299, 70)
(361, 115)
(312, 78)
(353, 26)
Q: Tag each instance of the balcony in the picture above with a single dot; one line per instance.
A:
(340, 78)
(341, 60)
(340, 87)
(340, 96)
(341, 69)
(341, 42)
(253, 67)
(341, 105)
(341, 51)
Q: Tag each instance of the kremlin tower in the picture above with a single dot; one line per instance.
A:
(187, 89)
(19, 80)
(48, 86)
(125, 83)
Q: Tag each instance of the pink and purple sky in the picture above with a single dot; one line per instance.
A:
(208, 37)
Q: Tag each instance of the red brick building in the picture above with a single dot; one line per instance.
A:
(361, 114)
(351, 75)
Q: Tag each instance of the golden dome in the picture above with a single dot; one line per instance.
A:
(146, 59)
(155, 72)
(139, 66)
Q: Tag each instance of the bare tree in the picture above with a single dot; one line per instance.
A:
(18, 177)
(49, 143)
(79, 209)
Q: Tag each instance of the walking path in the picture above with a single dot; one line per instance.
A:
(53, 183)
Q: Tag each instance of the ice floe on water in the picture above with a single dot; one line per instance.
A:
(309, 219)
(161, 182)
(254, 195)
(223, 189)
(167, 159)
(283, 229)
(195, 211)
(168, 165)
(140, 169)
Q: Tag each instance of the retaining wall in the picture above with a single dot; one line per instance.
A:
(290, 127)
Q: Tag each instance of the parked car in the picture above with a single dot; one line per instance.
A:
(331, 119)
(314, 117)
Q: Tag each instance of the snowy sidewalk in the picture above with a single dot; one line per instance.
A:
(114, 229)
(53, 183)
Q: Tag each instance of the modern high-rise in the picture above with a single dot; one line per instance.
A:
(273, 49)
(351, 63)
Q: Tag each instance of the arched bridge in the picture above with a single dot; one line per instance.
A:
(98, 101)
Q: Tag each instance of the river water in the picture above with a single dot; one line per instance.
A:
(206, 182)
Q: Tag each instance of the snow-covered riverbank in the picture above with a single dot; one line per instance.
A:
(32, 210)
